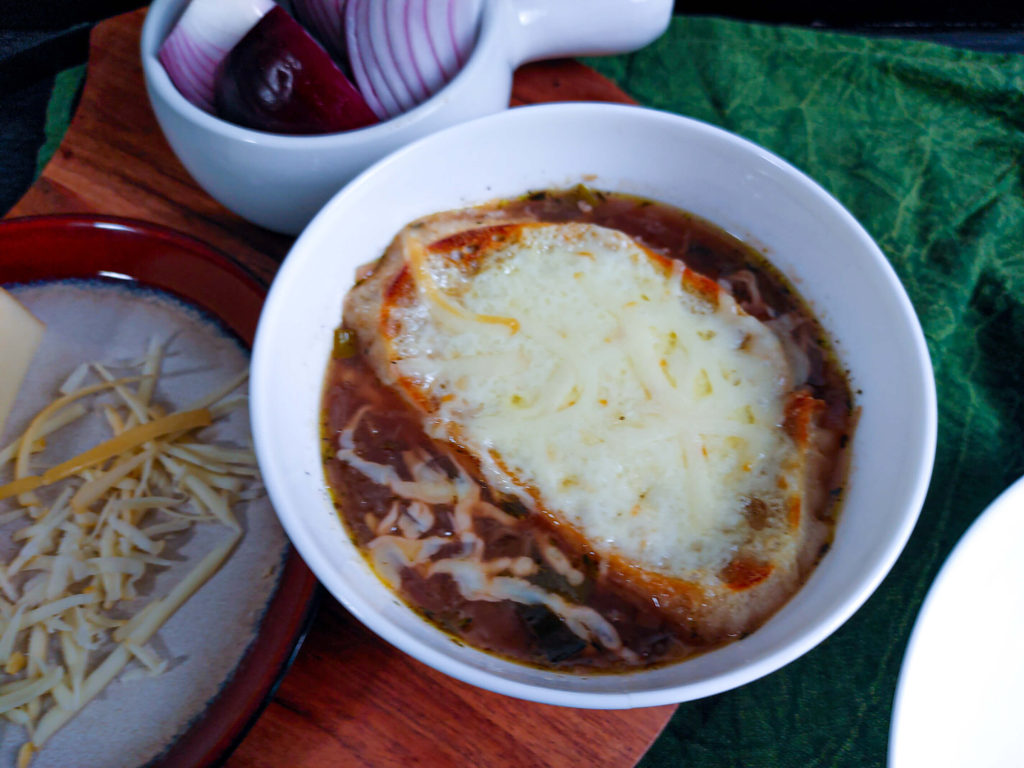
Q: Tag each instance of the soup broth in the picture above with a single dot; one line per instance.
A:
(498, 569)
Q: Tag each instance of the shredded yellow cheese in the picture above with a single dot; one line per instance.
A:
(25, 754)
(127, 440)
(94, 527)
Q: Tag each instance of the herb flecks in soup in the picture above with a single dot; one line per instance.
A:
(584, 430)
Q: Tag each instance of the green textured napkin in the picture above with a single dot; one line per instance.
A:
(924, 145)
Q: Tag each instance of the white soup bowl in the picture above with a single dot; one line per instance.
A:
(727, 180)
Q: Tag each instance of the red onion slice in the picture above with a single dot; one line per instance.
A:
(425, 58)
(279, 79)
(383, 41)
(360, 57)
(441, 37)
(464, 18)
(203, 36)
(404, 51)
(396, 29)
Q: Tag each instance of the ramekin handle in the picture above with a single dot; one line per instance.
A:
(548, 29)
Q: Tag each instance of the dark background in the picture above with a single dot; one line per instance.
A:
(958, 14)
(39, 38)
(955, 13)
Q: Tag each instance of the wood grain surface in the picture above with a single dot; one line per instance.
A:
(349, 698)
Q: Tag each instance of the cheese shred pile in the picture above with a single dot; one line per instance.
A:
(93, 527)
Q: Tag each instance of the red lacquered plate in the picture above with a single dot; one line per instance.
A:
(106, 281)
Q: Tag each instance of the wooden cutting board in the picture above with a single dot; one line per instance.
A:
(349, 698)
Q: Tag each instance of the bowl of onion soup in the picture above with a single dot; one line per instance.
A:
(579, 403)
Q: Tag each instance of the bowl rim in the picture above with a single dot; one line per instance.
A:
(87, 246)
(158, 81)
(997, 519)
(807, 638)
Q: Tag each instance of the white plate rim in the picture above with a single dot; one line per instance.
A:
(985, 528)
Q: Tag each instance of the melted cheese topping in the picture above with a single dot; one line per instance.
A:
(601, 382)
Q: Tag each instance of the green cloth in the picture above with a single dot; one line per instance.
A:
(66, 87)
(924, 145)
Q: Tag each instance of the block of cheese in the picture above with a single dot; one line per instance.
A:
(20, 335)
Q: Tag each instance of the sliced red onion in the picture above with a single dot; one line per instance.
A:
(421, 48)
(464, 19)
(363, 60)
(384, 39)
(398, 23)
(279, 79)
(203, 36)
(404, 51)
(440, 29)
(356, 58)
